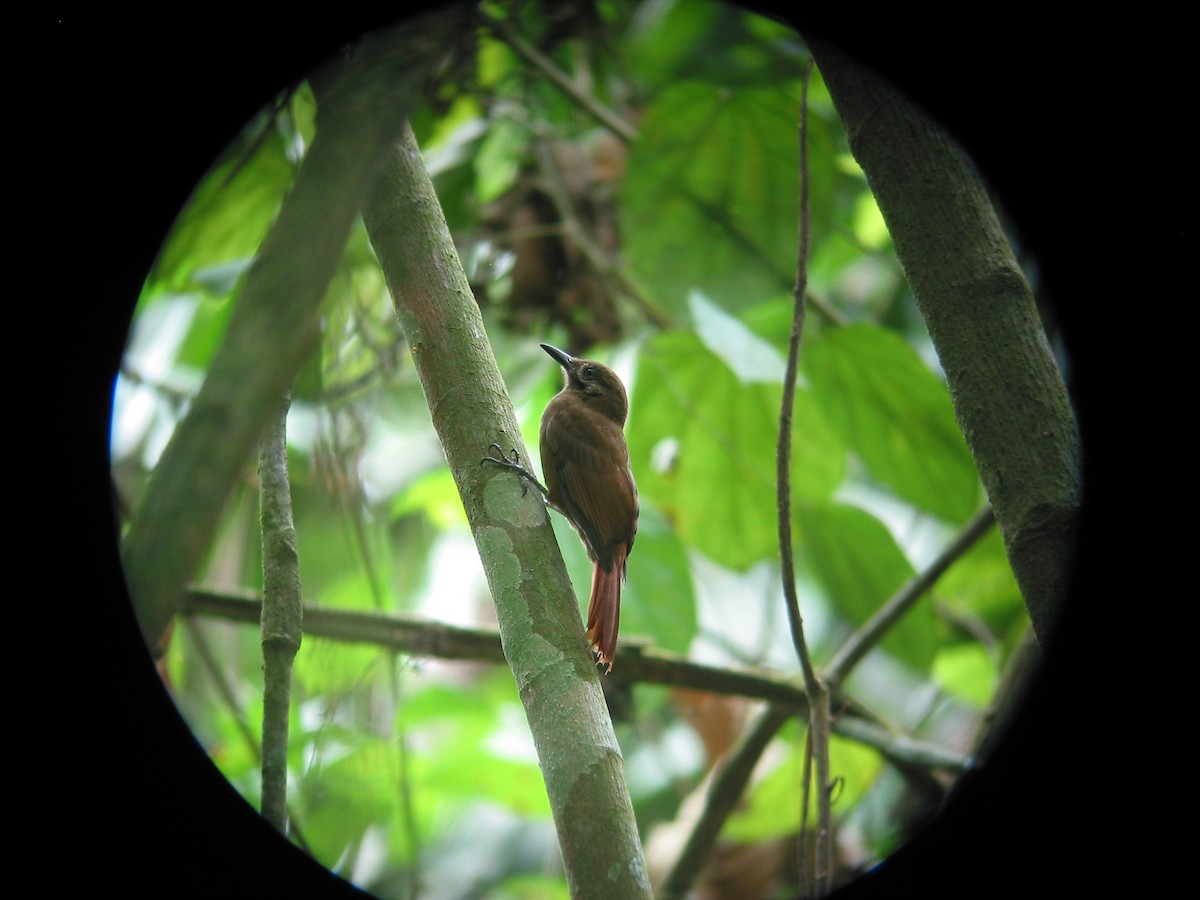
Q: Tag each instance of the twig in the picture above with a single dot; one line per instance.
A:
(724, 792)
(208, 660)
(783, 455)
(866, 637)
(818, 693)
(574, 230)
(606, 117)
(639, 663)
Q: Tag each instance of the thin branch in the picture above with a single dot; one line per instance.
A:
(208, 660)
(783, 455)
(574, 230)
(601, 113)
(831, 313)
(873, 631)
(639, 664)
(818, 693)
(723, 794)
(898, 748)
(391, 632)
(819, 728)
(282, 613)
(804, 876)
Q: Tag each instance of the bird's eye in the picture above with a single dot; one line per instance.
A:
(589, 371)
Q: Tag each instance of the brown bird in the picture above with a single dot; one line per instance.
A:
(586, 466)
(585, 462)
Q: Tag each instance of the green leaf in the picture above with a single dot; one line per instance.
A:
(702, 444)
(967, 672)
(765, 816)
(531, 887)
(463, 736)
(499, 159)
(659, 600)
(896, 415)
(710, 198)
(434, 494)
(226, 217)
(324, 666)
(702, 40)
(340, 798)
(981, 584)
(745, 353)
(856, 560)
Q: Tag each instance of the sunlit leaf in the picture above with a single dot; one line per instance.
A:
(499, 159)
(658, 601)
(710, 199)
(434, 494)
(323, 666)
(227, 217)
(981, 584)
(857, 561)
(745, 353)
(703, 446)
(896, 415)
(773, 805)
(458, 739)
(967, 672)
(531, 887)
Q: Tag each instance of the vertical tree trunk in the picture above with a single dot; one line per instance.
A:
(273, 330)
(1009, 396)
(540, 625)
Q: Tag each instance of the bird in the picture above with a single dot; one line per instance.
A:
(585, 462)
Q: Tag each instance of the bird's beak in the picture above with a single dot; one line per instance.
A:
(563, 358)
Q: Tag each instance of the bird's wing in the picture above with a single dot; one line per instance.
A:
(597, 490)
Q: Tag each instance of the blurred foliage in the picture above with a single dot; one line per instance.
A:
(418, 771)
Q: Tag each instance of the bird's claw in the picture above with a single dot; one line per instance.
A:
(503, 460)
(515, 465)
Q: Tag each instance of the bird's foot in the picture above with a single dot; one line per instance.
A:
(515, 464)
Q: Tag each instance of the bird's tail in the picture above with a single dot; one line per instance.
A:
(604, 608)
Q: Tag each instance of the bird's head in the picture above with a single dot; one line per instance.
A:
(594, 382)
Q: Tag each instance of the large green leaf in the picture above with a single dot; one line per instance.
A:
(226, 218)
(469, 744)
(857, 561)
(710, 198)
(896, 415)
(711, 195)
(710, 41)
(773, 804)
(702, 443)
(981, 586)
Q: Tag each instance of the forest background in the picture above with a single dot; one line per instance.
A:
(226, 96)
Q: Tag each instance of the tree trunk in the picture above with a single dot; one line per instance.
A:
(540, 626)
(273, 330)
(1009, 396)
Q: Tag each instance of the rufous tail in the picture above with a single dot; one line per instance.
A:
(604, 610)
